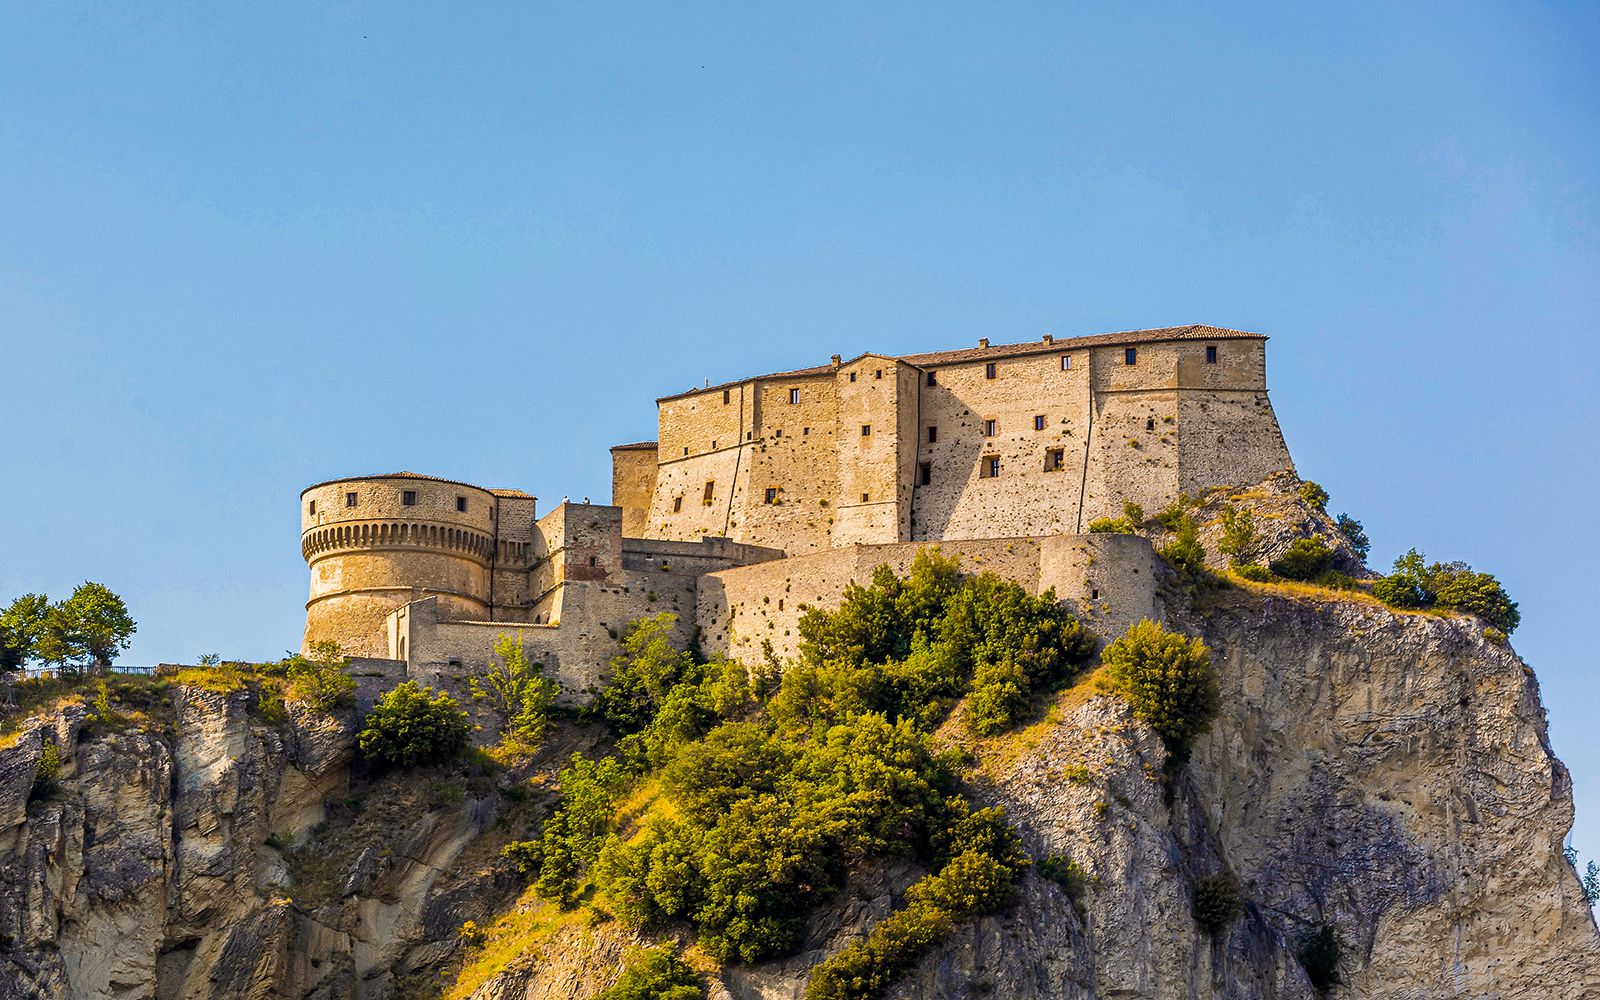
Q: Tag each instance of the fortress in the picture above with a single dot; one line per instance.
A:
(763, 496)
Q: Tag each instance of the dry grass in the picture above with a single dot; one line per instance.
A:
(517, 936)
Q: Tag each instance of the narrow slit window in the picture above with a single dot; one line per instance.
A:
(1038, 422)
(924, 473)
(677, 504)
(933, 434)
(711, 489)
(726, 397)
(865, 497)
(1150, 423)
(312, 507)
(772, 494)
(593, 561)
(866, 430)
(990, 427)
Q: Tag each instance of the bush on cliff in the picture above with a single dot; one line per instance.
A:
(1306, 559)
(1415, 584)
(1131, 520)
(1185, 553)
(656, 974)
(413, 725)
(322, 680)
(1166, 677)
(519, 692)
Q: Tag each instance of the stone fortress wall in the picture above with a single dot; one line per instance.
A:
(767, 496)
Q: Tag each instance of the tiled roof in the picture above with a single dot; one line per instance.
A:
(513, 494)
(1159, 335)
(636, 446)
(989, 353)
(394, 475)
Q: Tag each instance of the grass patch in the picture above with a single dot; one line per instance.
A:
(518, 936)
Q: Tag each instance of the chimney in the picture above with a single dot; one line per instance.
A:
(983, 341)
(837, 361)
(1049, 339)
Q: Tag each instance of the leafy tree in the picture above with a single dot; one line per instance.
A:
(1238, 531)
(519, 692)
(1167, 679)
(22, 624)
(1306, 559)
(642, 675)
(657, 974)
(1407, 586)
(94, 625)
(413, 725)
(1185, 553)
(322, 681)
(573, 835)
(1351, 529)
(1314, 495)
(1476, 593)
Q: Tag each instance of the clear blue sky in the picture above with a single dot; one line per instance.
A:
(247, 248)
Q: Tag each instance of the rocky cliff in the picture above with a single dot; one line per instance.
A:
(1383, 775)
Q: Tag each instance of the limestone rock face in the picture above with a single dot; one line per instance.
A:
(1384, 774)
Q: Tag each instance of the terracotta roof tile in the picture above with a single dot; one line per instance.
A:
(636, 446)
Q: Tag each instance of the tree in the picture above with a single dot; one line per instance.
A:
(413, 725)
(1185, 553)
(321, 681)
(1406, 587)
(1166, 677)
(649, 666)
(657, 974)
(519, 692)
(1351, 529)
(1306, 559)
(1238, 531)
(22, 624)
(91, 627)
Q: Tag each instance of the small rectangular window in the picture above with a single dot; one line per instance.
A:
(725, 396)
(989, 468)
(794, 396)
(686, 449)
(866, 430)
(989, 428)
(1054, 459)
(924, 473)
(778, 433)
(933, 379)
(865, 498)
(1038, 422)
(989, 370)
(933, 435)
(312, 507)
(593, 561)
(677, 504)
(804, 431)
(713, 445)
(461, 504)
(772, 494)
(349, 499)
(878, 373)
(1066, 362)
(711, 489)
(408, 498)
(852, 376)
(1211, 354)
(1130, 356)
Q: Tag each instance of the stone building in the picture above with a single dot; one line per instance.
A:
(808, 479)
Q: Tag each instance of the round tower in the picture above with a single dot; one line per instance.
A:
(376, 542)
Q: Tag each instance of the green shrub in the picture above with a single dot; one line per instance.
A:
(413, 725)
(574, 834)
(641, 677)
(1306, 559)
(656, 974)
(1174, 513)
(1216, 901)
(322, 681)
(1253, 571)
(1415, 584)
(1314, 495)
(523, 855)
(1110, 526)
(1061, 869)
(46, 772)
(519, 692)
(1167, 679)
(1319, 955)
(1351, 529)
(1184, 553)
(1238, 531)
